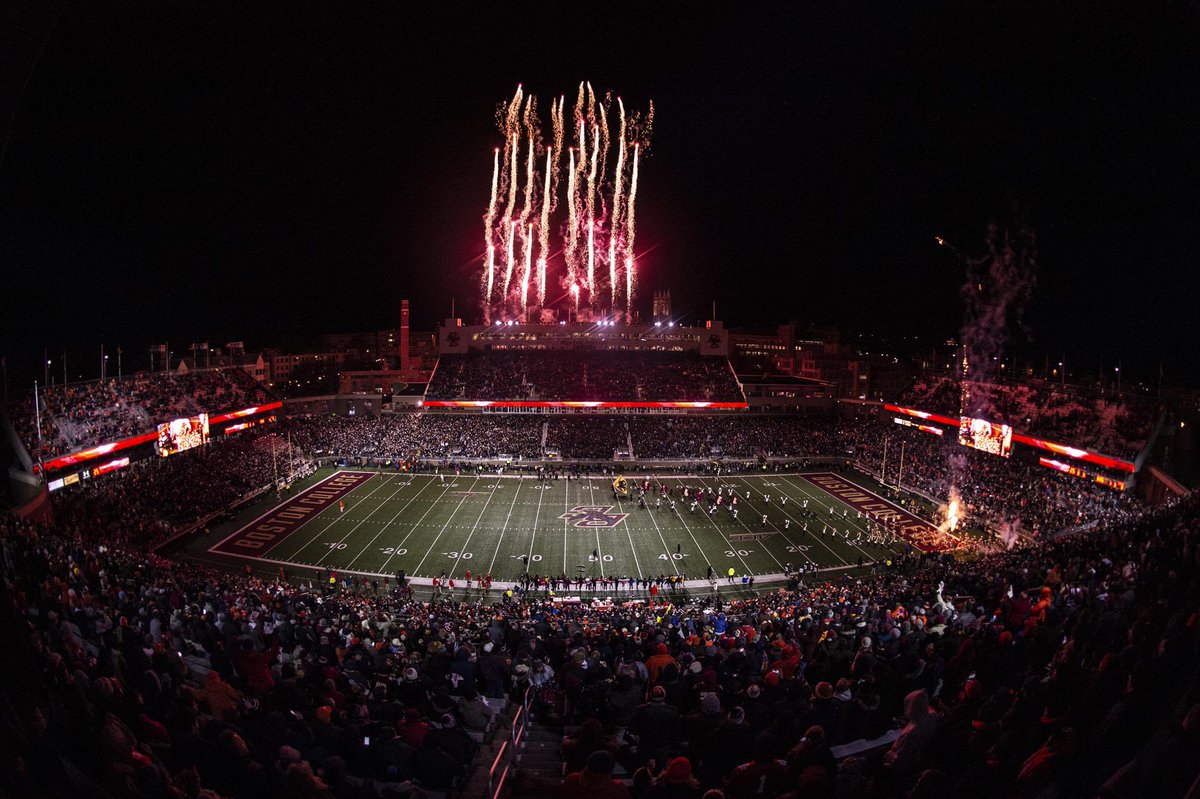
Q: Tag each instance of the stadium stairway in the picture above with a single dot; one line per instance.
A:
(495, 746)
(539, 773)
(538, 770)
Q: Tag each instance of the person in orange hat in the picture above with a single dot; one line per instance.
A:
(658, 661)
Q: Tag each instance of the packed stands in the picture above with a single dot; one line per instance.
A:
(588, 437)
(998, 490)
(81, 415)
(1067, 668)
(420, 436)
(580, 375)
(1066, 414)
(151, 500)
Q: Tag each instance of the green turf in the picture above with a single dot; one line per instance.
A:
(427, 526)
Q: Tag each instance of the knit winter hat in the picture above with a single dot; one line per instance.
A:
(678, 771)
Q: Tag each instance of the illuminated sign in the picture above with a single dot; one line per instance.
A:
(133, 441)
(925, 428)
(1075, 471)
(580, 404)
(1020, 438)
(986, 436)
(178, 435)
(111, 466)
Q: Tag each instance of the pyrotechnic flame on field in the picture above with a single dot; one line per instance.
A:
(600, 205)
(951, 513)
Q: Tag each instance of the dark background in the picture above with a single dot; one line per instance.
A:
(193, 172)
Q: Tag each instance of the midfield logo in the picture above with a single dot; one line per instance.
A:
(593, 516)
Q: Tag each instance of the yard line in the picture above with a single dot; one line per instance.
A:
(433, 504)
(748, 530)
(542, 490)
(851, 521)
(666, 548)
(691, 535)
(360, 524)
(732, 547)
(384, 528)
(317, 535)
(449, 519)
(478, 519)
(599, 552)
(505, 527)
(625, 521)
(566, 510)
(793, 518)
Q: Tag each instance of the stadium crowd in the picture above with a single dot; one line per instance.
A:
(153, 499)
(1078, 415)
(580, 375)
(1065, 669)
(1038, 499)
(81, 415)
(407, 436)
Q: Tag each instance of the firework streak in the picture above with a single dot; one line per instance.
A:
(278, 523)
(918, 532)
(596, 237)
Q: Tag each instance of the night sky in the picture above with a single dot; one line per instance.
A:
(190, 172)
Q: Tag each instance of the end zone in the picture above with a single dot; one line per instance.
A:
(912, 528)
(281, 521)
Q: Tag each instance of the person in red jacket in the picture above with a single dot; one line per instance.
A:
(596, 781)
(255, 668)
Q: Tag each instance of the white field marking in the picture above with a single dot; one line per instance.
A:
(536, 514)
(504, 529)
(342, 540)
(433, 504)
(479, 518)
(732, 546)
(625, 522)
(337, 516)
(389, 522)
(748, 530)
(449, 519)
(815, 493)
(599, 551)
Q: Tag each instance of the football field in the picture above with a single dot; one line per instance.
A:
(376, 523)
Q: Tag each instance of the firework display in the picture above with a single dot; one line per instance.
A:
(596, 230)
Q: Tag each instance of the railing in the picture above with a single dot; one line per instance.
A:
(499, 785)
(518, 729)
(492, 784)
(516, 738)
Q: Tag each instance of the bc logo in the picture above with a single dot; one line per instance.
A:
(593, 516)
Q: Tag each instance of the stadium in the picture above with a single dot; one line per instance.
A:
(574, 538)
